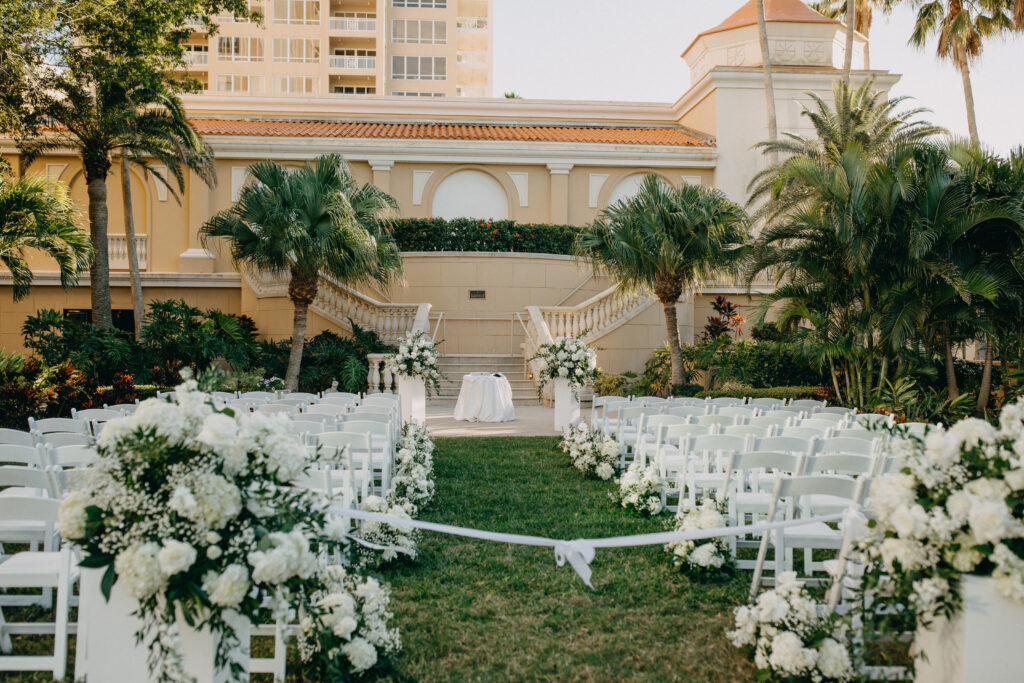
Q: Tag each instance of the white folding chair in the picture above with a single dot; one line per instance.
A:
(748, 483)
(95, 414)
(610, 414)
(786, 444)
(123, 408)
(847, 446)
(837, 410)
(918, 429)
(600, 402)
(225, 395)
(839, 464)
(646, 441)
(834, 419)
(277, 408)
(342, 451)
(26, 456)
(726, 402)
(809, 405)
(775, 423)
(20, 481)
(812, 535)
(46, 569)
(747, 430)
(339, 400)
(71, 456)
(802, 432)
(766, 403)
(716, 422)
(48, 425)
(338, 394)
(649, 401)
(691, 401)
(741, 413)
(298, 403)
(305, 429)
(328, 421)
(304, 396)
(16, 437)
(788, 413)
(66, 439)
(687, 411)
(873, 420)
(858, 433)
(707, 457)
(381, 451)
(815, 423)
(671, 447)
(263, 396)
(325, 408)
(244, 405)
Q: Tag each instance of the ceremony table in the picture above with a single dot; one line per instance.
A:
(485, 398)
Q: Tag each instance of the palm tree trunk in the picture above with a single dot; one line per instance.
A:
(986, 379)
(972, 117)
(674, 350)
(133, 256)
(952, 391)
(851, 20)
(867, 55)
(302, 291)
(769, 86)
(835, 381)
(99, 272)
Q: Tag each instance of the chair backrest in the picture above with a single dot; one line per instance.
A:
(774, 421)
(786, 444)
(371, 416)
(600, 401)
(806, 432)
(786, 412)
(71, 456)
(379, 408)
(302, 396)
(767, 403)
(672, 433)
(857, 433)
(889, 464)
(339, 400)
(28, 456)
(336, 446)
(124, 408)
(66, 439)
(305, 427)
(244, 405)
(689, 401)
(823, 420)
(687, 410)
(297, 402)
(747, 430)
(48, 425)
(278, 408)
(792, 489)
(258, 395)
(720, 420)
(325, 408)
(836, 410)
(872, 419)
(742, 412)
(27, 477)
(653, 422)
(726, 401)
(916, 428)
(382, 399)
(810, 405)
(21, 508)
(95, 414)
(746, 469)
(16, 437)
(717, 443)
(651, 400)
(366, 426)
(847, 446)
(338, 394)
(320, 418)
(836, 463)
(225, 395)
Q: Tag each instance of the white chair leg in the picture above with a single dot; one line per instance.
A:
(60, 635)
(280, 653)
(5, 637)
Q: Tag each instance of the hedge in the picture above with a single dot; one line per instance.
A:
(470, 234)
(796, 392)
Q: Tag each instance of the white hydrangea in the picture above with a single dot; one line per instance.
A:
(288, 556)
(72, 518)
(175, 557)
(228, 588)
(360, 653)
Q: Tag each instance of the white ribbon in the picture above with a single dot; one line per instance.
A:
(579, 553)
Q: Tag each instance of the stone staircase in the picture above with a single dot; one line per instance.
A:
(453, 367)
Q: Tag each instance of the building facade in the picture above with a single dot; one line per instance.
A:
(401, 48)
(527, 160)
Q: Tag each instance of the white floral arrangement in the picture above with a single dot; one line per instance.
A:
(192, 507)
(640, 490)
(592, 453)
(413, 481)
(376, 544)
(957, 507)
(705, 560)
(416, 357)
(789, 637)
(567, 358)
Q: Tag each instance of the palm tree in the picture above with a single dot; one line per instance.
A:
(769, 85)
(962, 28)
(305, 223)
(157, 117)
(93, 119)
(862, 115)
(37, 213)
(666, 240)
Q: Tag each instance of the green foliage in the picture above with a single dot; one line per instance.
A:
(765, 364)
(609, 384)
(785, 392)
(327, 357)
(470, 234)
(178, 332)
(98, 353)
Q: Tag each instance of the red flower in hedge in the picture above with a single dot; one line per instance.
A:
(494, 232)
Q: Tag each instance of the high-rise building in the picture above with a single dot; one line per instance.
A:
(415, 48)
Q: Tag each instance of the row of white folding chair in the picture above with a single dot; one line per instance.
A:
(41, 456)
(366, 450)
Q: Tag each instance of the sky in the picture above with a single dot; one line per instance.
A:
(629, 50)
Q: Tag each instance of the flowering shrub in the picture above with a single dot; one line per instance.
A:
(705, 560)
(957, 507)
(788, 637)
(416, 357)
(591, 453)
(391, 540)
(567, 358)
(640, 490)
(472, 234)
(413, 482)
(192, 507)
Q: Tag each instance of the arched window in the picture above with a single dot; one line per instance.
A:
(470, 194)
(626, 188)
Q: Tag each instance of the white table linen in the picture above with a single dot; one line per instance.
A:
(485, 398)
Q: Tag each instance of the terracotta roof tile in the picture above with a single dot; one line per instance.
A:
(793, 11)
(454, 131)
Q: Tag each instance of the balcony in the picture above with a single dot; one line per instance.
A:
(353, 25)
(471, 60)
(353, 63)
(117, 251)
(472, 24)
(197, 58)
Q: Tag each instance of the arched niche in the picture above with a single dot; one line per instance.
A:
(469, 193)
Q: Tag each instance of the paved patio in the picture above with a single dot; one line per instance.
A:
(531, 420)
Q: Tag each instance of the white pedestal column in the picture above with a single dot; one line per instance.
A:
(567, 405)
(413, 393)
(107, 632)
(981, 643)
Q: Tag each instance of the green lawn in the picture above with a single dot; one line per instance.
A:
(480, 611)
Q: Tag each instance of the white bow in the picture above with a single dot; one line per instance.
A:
(854, 523)
(579, 554)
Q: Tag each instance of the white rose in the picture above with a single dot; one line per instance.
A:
(175, 557)
(229, 588)
(219, 433)
(138, 570)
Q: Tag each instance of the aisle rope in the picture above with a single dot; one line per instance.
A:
(579, 553)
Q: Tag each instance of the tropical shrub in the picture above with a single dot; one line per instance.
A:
(326, 358)
(765, 364)
(471, 234)
(176, 331)
(794, 392)
(612, 384)
(98, 353)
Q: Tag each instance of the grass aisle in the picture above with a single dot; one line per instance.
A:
(474, 610)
